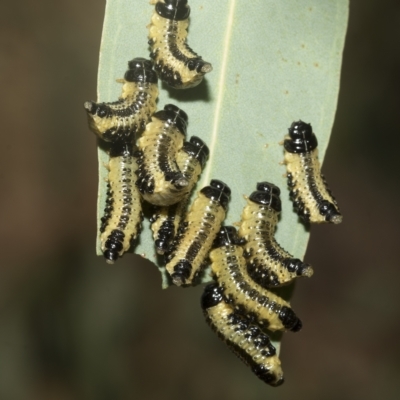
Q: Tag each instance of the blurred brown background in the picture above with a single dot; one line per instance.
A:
(72, 327)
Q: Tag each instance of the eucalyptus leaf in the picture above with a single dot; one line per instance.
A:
(274, 62)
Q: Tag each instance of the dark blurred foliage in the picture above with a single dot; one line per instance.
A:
(72, 327)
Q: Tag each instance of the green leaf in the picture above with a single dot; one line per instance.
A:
(274, 62)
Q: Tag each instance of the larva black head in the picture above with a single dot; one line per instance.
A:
(302, 139)
(197, 149)
(223, 187)
(140, 70)
(330, 211)
(218, 191)
(269, 188)
(173, 115)
(120, 149)
(227, 235)
(267, 194)
(140, 62)
(176, 10)
(212, 295)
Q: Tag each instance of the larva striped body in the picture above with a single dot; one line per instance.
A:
(160, 180)
(229, 269)
(242, 336)
(191, 160)
(123, 119)
(121, 223)
(175, 62)
(312, 200)
(268, 263)
(197, 233)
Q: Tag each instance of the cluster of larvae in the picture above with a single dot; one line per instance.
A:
(149, 157)
(151, 161)
(246, 265)
(240, 306)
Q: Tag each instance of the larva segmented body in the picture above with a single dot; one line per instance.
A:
(197, 233)
(123, 119)
(268, 263)
(175, 62)
(121, 223)
(229, 269)
(242, 336)
(312, 200)
(165, 221)
(160, 180)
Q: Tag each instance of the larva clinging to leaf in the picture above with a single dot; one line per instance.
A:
(165, 221)
(160, 180)
(242, 336)
(175, 62)
(312, 200)
(228, 266)
(121, 120)
(267, 262)
(197, 232)
(121, 223)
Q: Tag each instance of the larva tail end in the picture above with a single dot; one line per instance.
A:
(90, 107)
(336, 219)
(181, 273)
(207, 67)
(161, 246)
(277, 383)
(330, 212)
(212, 295)
(110, 256)
(297, 327)
(299, 267)
(289, 319)
(308, 271)
(268, 377)
(181, 182)
(113, 246)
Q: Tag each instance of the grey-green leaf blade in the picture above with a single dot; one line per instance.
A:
(273, 62)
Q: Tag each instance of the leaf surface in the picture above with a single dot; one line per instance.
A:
(274, 62)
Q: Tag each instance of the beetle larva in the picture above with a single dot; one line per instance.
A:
(242, 336)
(123, 216)
(197, 232)
(191, 160)
(268, 263)
(160, 180)
(312, 200)
(175, 62)
(229, 269)
(122, 119)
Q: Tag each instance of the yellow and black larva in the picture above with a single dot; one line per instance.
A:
(160, 180)
(123, 119)
(268, 263)
(312, 200)
(165, 221)
(197, 232)
(228, 266)
(121, 223)
(243, 336)
(175, 62)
